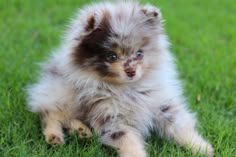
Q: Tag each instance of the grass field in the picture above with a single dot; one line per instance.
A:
(203, 36)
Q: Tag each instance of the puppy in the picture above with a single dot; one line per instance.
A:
(114, 72)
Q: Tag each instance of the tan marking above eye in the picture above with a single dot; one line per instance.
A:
(118, 51)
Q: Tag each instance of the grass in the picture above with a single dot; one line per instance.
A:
(203, 40)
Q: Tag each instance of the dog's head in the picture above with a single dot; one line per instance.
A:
(118, 41)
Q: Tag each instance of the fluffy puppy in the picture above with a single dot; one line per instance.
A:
(114, 71)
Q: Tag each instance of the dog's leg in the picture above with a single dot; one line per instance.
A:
(52, 127)
(127, 141)
(177, 123)
(114, 131)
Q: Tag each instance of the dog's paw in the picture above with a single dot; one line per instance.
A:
(81, 129)
(84, 132)
(54, 139)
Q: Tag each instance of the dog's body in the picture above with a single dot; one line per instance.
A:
(114, 71)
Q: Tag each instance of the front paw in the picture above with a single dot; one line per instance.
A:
(80, 128)
(54, 138)
(84, 132)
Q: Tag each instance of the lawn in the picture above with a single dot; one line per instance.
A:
(203, 37)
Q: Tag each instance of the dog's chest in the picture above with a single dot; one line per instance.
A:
(132, 106)
(129, 99)
(135, 97)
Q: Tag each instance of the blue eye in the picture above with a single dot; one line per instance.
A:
(139, 54)
(111, 57)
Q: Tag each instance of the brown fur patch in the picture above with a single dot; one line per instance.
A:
(104, 72)
(116, 66)
(165, 108)
(90, 54)
(117, 50)
(91, 24)
(102, 121)
(92, 45)
(114, 69)
(117, 135)
(155, 14)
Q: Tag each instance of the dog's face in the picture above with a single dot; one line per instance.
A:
(118, 44)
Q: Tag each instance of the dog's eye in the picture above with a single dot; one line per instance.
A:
(139, 54)
(111, 57)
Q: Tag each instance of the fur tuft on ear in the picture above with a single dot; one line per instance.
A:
(97, 20)
(90, 24)
(153, 14)
(93, 21)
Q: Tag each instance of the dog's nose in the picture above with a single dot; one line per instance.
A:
(130, 72)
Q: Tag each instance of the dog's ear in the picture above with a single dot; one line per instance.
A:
(97, 20)
(90, 23)
(93, 22)
(152, 14)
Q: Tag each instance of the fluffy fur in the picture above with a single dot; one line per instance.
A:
(114, 72)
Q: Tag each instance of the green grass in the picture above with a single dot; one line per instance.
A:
(203, 40)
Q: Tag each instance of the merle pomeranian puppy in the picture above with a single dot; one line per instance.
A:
(114, 73)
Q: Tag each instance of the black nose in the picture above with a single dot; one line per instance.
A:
(130, 72)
